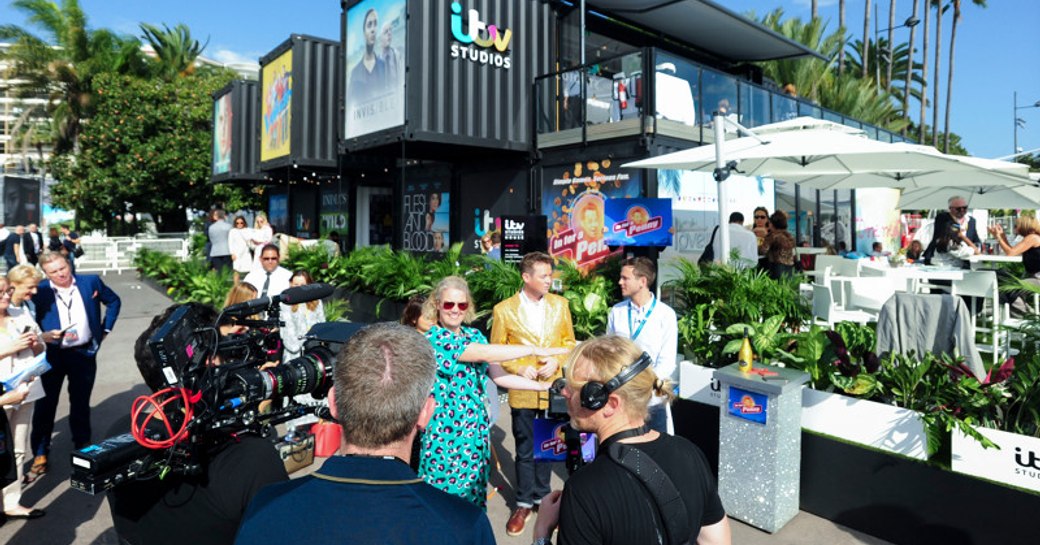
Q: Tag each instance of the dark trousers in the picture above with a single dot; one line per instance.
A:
(81, 369)
(532, 479)
(219, 262)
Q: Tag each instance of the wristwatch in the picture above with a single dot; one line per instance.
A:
(542, 541)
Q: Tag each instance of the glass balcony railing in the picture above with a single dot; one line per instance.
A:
(614, 97)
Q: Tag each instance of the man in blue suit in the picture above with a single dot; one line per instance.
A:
(68, 309)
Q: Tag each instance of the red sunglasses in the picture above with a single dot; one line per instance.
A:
(448, 305)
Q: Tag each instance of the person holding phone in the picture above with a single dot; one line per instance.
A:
(20, 342)
(68, 309)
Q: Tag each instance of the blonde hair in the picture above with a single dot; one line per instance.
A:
(433, 302)
(1027, 225)
(24, 273)
(604, 357)
(240, 293)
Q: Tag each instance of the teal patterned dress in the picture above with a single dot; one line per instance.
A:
(455, 450)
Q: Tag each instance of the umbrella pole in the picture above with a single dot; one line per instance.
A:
(720, 174)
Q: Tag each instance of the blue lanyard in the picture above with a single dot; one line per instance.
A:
(643, 322)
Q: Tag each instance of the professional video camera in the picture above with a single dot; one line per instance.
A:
(571, 437)
(207, 403)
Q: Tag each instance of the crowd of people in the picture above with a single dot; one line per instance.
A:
(416, 402)
(57, 313)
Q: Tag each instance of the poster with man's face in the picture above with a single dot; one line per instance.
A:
(375, 66)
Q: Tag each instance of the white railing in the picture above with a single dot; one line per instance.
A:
(117, 253)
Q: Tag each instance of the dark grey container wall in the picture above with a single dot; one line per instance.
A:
(245, 148)
(317, 79)
(458, 101)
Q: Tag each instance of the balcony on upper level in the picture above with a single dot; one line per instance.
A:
(614, 98)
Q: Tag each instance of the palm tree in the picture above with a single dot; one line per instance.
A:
(841, 27)
(808, 74)
(815, 9)
(939, 9)
(63, 67)
(906, 83)
(949, 75)
(175, 49)
(924, 73)
(891, 30)
(900, 66)
(866, 38)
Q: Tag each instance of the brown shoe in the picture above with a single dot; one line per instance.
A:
(517, 520)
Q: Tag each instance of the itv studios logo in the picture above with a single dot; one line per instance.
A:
(481, 42)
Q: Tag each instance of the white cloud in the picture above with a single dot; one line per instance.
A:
(228, 56)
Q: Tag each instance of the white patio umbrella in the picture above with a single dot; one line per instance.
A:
(972, 172)
(799, 155)
(986, 197)
(796, 155)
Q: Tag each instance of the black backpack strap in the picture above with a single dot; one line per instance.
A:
(670, 505)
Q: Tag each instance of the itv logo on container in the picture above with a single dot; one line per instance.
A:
(481, 42)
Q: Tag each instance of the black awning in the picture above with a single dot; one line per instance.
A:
(706, 26)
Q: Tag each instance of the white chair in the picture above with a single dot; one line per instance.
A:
(826, 313)
(982, 285)
(1010, 327)
(839, 265)
(869, 293)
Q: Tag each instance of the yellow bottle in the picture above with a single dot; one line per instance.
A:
(745, 355)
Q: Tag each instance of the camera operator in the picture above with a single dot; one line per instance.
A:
(382, 381)
(195, 509)
(609, 385)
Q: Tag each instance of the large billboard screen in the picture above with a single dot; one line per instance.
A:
(222, 134)
(574, 199)
(276, 107)
(375, 66)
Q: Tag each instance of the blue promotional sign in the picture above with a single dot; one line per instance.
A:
(549, 445)
(638, 222)
(748, 405)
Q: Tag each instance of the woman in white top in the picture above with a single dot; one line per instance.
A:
(262, 234)
(299, 318)
(23, 279)
(20, 343)
(238, 244)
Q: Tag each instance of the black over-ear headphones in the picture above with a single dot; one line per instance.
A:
(594, 394)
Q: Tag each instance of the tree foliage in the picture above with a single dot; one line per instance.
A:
(63, 63)
(175, 50)
(146, 149)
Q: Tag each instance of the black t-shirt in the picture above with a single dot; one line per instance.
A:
(603, 503)
(199, 510)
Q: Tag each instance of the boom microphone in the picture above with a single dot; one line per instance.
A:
(305, 294)
(291, 296)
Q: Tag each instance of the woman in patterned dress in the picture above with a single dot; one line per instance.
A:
(455, 448)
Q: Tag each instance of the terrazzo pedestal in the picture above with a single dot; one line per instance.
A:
(760, 444)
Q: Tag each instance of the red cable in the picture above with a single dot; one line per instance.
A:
(158, 402)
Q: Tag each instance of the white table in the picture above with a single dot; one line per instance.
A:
(978, 260)
(915, 274)
(802, 250)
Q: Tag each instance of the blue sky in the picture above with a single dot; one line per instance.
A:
(998, 48)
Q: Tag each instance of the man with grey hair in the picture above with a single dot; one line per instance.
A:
(383, 379)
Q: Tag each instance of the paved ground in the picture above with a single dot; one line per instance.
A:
(74, 517)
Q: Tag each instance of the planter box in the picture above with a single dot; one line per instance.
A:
(909, 502)
(885, 427)
(1015, 463)
(367, 308)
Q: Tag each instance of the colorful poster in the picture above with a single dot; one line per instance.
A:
(639, 222)
(426, 217)
(222, 116)
(375, 66)
(551, 446)
(751, 406)
(276, 108)
(574, 201)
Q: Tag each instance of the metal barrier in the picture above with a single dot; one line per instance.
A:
(117, 253)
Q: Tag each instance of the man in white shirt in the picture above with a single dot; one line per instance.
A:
(271, 278)
(740, 239)
(651, 324)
